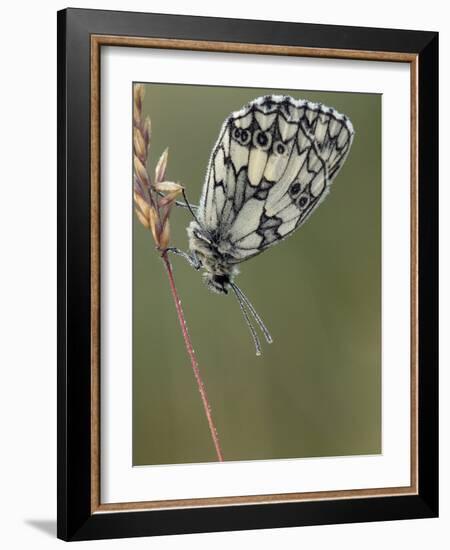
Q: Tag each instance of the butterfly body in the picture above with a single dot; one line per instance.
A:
(212, 254)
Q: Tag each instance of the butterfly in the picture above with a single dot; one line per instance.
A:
(271, 167)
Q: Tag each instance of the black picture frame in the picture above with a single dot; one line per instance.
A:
(76, 520)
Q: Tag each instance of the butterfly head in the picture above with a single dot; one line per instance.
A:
(219, 284)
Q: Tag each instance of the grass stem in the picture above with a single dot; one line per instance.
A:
(193, 358)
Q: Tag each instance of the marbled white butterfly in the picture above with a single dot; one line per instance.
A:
(271, 167)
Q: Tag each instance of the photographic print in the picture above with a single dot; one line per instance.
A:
(256, 274)
(247, 257)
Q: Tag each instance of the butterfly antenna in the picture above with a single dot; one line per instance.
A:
(257, 318)
(247, 320)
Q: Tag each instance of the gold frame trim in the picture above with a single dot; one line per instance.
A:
(97, 41)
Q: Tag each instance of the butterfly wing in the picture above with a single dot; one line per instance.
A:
(271, 167)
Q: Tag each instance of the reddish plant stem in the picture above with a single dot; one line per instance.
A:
(193, 358)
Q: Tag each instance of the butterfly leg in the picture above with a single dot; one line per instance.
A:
(192, 259)
(184, 204)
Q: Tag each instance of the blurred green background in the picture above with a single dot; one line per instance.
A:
(316, 391)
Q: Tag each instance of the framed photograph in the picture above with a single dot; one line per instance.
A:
(247, 274)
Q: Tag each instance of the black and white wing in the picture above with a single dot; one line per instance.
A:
(272, 165)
